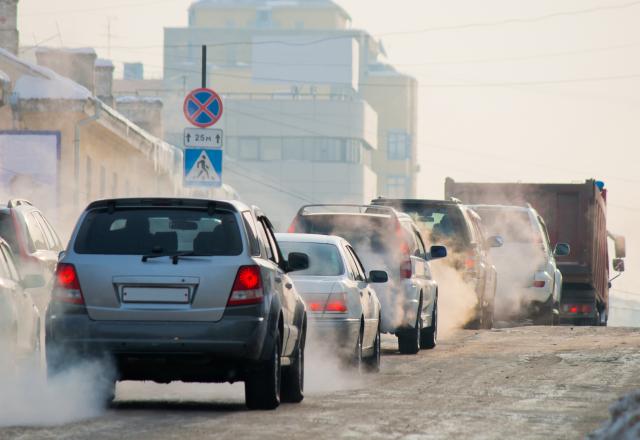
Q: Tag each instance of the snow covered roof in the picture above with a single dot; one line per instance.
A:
(134, 98)
(70, 50)
(103, 62)
(32, 87)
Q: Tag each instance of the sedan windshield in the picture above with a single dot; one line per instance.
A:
(324, 259)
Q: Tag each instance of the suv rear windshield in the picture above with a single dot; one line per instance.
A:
(367, 232)
(148, 231)
(440, 224)
(513, 226)
(324, 258)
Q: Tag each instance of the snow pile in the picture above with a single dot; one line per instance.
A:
(59, 87)
(625, 420)
(130, 99)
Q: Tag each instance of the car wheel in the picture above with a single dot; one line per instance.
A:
(372, 363)
(487, 317)
(293, 377)
(409, 340)
(429, 335)
(262, 387)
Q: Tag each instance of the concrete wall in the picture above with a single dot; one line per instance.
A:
(9, 36)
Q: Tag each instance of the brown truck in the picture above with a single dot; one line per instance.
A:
(576, 214)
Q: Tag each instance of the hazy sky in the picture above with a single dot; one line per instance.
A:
(544, 90)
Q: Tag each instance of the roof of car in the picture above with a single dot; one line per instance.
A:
(383, 201)
(310, 238)
(347, 209)
(504, 207)
(168, 202)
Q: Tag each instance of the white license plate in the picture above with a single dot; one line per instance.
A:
(155, 295)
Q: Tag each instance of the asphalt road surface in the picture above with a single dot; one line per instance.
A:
(525, 383)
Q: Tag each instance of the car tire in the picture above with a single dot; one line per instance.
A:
(262, 387)
(486, 322)
(372, 363)
(293, 377)
(409, 339)
(429, 335)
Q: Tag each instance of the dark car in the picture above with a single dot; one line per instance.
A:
(180, 289)
(450, 223)
(33, 240)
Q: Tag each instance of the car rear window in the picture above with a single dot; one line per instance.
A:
(148, 231)
(375, 233)
(324, 258)
(439, 222)
(513, 226)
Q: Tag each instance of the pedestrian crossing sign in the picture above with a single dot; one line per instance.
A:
(203, 167)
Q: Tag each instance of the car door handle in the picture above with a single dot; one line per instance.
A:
(289, 286)
(277, 279)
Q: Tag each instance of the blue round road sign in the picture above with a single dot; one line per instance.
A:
(203, 107)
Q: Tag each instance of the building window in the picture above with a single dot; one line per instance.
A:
(299, 25)
(230, 24)
(231, 55)
(293, 149)
(270, 149)
(249, 149)
(397, 186)
(398, 145)
(263, 18)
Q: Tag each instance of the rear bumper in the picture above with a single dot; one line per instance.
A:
(334, 334)
(161, 351)
(399, 305)
(522, 302)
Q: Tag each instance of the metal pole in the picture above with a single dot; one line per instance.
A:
(204, 66)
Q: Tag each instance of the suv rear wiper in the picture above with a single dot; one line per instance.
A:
(174, 257)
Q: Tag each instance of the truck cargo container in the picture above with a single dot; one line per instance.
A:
(575, 213)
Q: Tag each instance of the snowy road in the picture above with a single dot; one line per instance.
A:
(526, 383)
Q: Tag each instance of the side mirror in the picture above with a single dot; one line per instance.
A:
(562, 250)
(32, 281)
(61, 255)
(437, 252)
(297, 261)
(620, 246)
(495, 241)
(378, 276)
(618, 264)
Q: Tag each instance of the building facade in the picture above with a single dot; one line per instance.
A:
(311, 115)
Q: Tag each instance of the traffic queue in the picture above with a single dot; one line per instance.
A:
(200, 290)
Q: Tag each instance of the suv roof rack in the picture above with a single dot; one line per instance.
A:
(337, 208)
(13, 203)
(455, 200)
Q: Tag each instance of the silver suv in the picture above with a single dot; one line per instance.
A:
(390, 241)
(180, 289)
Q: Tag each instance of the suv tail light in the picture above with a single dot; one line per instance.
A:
(293, 226)
(406, 271)
(247, 288)
(470, 261)
(67, 286)
(404, 246)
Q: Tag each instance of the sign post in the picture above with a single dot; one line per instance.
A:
(203, 146)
